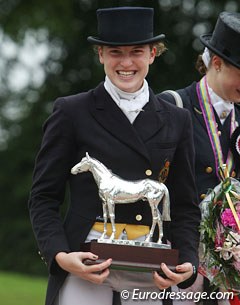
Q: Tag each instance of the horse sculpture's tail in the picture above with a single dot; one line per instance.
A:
(166, 205)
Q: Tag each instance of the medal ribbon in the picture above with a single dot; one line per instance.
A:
(210, 122)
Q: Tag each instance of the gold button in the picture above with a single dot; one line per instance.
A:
(223, 115)
(202, 196)
(208, 170)
(233, 175)
(138, 217)
(219, 133)
(148, 172)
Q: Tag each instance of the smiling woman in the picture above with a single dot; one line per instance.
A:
(127, 66)
(121, 124)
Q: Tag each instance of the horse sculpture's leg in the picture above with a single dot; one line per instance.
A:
(111, 213)
(155, 220)
(105, 216)
(157, 217)
(160, 226)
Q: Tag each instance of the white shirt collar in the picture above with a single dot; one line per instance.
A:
(130, 103)
(222, 107)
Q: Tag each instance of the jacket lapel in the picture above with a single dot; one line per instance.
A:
(196, 109)
(151, 119)
(110, 116)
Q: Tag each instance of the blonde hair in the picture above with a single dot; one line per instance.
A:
(161, 48)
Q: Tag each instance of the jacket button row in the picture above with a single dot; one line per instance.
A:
(209, 170)
(42, 257)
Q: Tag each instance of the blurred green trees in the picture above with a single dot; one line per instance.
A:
(44, 54)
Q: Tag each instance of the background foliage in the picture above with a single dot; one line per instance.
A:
(44, 54)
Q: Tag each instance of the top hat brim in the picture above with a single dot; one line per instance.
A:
(98, 41)
(205, 39)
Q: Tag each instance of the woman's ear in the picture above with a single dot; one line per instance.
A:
(217, 62)
(153, 53)
(100, 54)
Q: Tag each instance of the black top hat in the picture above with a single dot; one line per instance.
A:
(225, 39)
(121, 26)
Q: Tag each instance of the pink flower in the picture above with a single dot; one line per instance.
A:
(228, 219)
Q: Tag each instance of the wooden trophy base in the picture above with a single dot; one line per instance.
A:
(131, 257)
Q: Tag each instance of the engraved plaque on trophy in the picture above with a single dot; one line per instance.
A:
(132, 255)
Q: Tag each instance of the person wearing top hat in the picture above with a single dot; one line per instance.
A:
(213, 104)
(123, 125)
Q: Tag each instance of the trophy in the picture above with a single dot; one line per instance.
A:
(132, 255)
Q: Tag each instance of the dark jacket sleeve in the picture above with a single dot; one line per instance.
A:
(185, 212)
(52, 168)
(189, 212)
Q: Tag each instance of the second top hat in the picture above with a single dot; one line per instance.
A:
(125, 26)
(225, 39)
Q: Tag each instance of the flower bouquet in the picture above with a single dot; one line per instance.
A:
(220, 235)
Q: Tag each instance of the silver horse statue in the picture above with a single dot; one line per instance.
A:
(114, 190)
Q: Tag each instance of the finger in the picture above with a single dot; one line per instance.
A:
(88, 255)
(169, 274)
(98, 267)
(186, 267)
(182, 273)
(160, 282)
(96, 278)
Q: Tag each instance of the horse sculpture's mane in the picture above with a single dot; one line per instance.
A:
(100, 166)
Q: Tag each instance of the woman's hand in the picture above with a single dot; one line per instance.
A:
(73, 262)
(183, 272)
